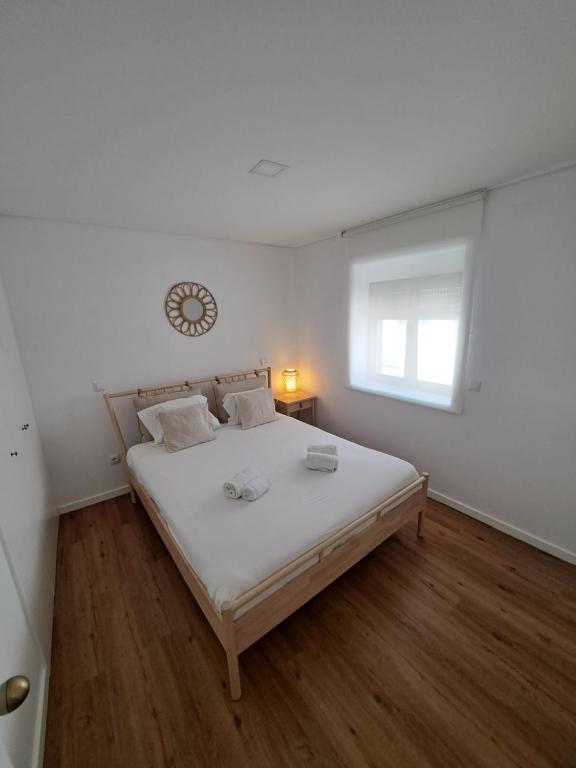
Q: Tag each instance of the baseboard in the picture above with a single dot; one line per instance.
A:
(511, 530)
(89, 500)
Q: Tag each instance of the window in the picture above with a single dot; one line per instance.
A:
(437, 346)
(408, 321)
(408, 338)
(417, 322)
(393, 347)
(410, 290)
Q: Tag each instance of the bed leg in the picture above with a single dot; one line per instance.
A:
(133, 495)
(234, 676)
(420, 530)
(422, 513)
(231, 654)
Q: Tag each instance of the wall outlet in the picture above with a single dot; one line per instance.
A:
(98, 386)
(263, 361)
(474, 385)
(114, 459)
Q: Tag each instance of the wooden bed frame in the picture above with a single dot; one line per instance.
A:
(319, 565)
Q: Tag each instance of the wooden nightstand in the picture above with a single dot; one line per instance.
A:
(300, 405)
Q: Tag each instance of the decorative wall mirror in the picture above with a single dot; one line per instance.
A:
(190, 308)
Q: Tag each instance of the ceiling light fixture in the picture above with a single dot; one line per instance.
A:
(268, 168)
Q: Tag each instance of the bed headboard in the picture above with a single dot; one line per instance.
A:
(123, 414)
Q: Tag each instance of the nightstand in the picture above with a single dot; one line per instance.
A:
(300, 405)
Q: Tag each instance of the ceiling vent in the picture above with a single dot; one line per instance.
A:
(268, 168)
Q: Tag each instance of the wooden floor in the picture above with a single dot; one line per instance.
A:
(456, 651)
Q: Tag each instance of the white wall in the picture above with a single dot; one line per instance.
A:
(512, 454)
(88, 304)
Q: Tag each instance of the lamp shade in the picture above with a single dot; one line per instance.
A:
(290, 379)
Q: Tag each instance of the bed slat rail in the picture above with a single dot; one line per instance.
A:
(330, 541)
(274, 608)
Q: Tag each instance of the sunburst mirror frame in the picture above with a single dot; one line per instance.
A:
(177, 296)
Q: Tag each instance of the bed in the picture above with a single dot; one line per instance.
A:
(250, 565)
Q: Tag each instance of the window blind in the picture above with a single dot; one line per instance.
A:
(436, 296)
(410, 291)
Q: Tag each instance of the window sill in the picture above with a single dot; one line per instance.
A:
(437, 402)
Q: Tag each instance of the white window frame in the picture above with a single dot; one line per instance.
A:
(411, 362)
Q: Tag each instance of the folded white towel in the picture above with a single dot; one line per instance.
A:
(325, 462)
(331, 449)
(233, 488)
(255, 488)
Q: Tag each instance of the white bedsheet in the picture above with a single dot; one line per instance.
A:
(234, 544)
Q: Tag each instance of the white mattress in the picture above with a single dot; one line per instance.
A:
(233, 544)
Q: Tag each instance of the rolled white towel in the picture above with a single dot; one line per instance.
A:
(330, 449)
(233, 488)
(255, 488)
(325, 462)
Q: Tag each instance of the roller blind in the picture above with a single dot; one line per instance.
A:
(436, 296)
(410, 291)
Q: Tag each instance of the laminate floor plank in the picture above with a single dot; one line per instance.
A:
(458, 651)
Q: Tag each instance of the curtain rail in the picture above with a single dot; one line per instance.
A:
(423, 210)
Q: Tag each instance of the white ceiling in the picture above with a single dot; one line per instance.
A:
(149, 114)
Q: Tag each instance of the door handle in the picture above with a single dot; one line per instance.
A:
(13, 693)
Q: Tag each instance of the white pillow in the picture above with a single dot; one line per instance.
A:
(149, 416)
(230, 406)
(256, 407)
(186, 426)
